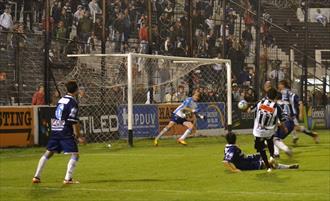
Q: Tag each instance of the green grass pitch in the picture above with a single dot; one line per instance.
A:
(167, 173)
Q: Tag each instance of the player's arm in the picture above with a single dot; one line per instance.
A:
(230, 166)
(252, 108)
(73, 117)
(301, 109)
(282, 117)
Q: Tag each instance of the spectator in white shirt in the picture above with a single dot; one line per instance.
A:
(6, 20)
(321, 18)
(94, 8)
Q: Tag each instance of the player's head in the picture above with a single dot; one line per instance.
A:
(231, 138)
(267, 86)
(72, 87)
(272, 94)
(196, 95)
(283, 84)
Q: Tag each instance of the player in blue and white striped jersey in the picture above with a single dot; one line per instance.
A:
(189, 106)
(296, 110)
(281, 133)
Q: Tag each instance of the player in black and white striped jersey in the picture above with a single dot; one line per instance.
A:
(268, 114)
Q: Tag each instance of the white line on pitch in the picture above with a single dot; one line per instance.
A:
(166, 191)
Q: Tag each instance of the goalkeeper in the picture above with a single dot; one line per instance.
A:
(189, 106)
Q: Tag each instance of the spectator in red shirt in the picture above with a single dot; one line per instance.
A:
(143, 36)
(39, 96)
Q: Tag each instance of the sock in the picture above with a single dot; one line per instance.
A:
(307, 132)
(280, 144)
(264, 158)
(276, 150)
(270, 145)
(185, 134)
(282, 166)
(41, 164)
(71, 165)
(162, 133)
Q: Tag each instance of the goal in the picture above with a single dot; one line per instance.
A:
(132, 95)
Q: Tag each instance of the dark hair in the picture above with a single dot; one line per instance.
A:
(231, 138)
(279, 96)
(71, 86)
(285, 83)
(272, 93)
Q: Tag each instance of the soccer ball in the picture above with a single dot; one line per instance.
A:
(242, 105)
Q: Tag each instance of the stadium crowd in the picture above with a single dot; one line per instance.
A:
(76, 27)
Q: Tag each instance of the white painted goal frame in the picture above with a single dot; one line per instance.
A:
(175, 59)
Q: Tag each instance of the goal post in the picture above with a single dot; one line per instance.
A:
(147, 73)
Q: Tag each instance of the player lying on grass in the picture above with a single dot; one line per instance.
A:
(296, 110)
(189, 106)
(64, 126)
(235, 160)
(267, 115)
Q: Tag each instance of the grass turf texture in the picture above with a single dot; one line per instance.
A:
(166, 173)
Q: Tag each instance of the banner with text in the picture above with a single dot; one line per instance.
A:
(215, 116)
(16, 126)
(145, 120)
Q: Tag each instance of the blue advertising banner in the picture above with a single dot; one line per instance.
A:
(145, 120)
(215, 116)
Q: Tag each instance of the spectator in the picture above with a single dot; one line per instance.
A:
(127, 25)
(6, 20)
(55, 98)
(180, 95)
(143, 38)
(60, 37)
(320, 18)
(94, 9)
(56, 12)
(248, 39)
(84, 29)
(39, 96)
(168, 46)
(28, 11)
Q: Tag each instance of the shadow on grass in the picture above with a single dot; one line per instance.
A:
(130, 180)
(271, 177)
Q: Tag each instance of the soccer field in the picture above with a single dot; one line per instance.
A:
(168, 172)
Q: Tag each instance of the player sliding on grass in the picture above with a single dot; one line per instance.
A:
(235, 160)
(189, 106)
(296, 110)
(64, 126)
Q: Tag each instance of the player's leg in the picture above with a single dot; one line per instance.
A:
(279, 144)
(270, 145)
(70, 168)
(259, 145)
(163, 131)
(310, 133)
(52, 147)
(283, 166)
(190, 127)
(42, 162)
(302, 129)
(70, 147)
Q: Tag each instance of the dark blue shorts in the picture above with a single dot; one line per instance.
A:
(280, 132)
(250, 162)
(177, 119)
(67, 145)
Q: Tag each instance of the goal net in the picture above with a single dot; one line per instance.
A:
(133, 95)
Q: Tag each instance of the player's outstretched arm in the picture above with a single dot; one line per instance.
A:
(231, 167)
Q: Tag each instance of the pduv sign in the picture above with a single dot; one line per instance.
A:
(145, 120)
